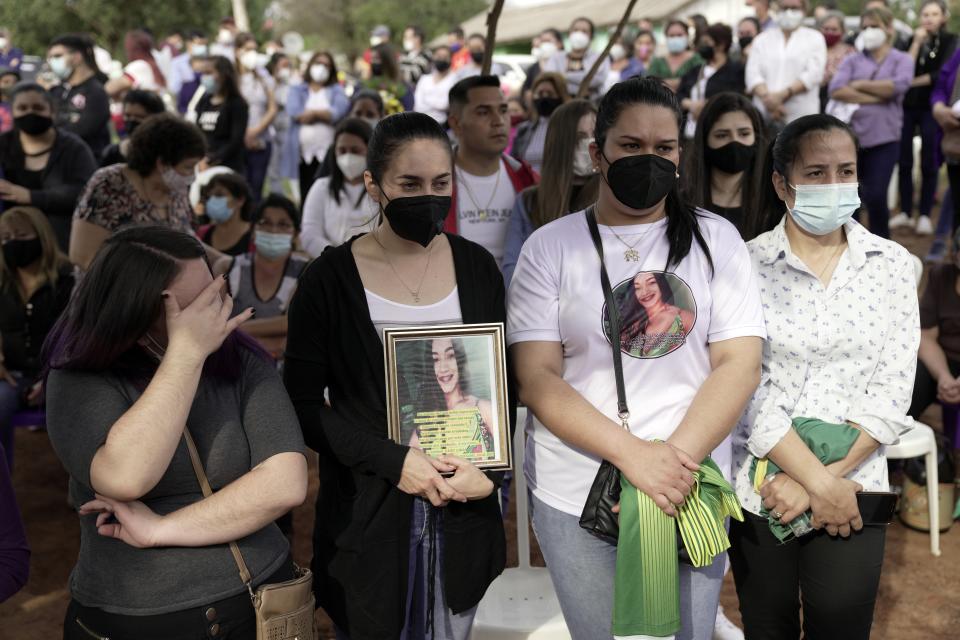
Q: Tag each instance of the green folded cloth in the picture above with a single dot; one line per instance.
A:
(647, 582)
(828, 441)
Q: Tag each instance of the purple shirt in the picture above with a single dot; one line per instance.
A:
(877, 124)
(942, 91)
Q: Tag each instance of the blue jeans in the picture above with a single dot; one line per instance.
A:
(921, 117)
(10, 403)
(875, 170)
(582, 569)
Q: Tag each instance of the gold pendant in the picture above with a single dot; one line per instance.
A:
(631, 255)
(482, 214)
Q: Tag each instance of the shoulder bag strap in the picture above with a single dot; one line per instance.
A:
(207, 492)
(613, 313)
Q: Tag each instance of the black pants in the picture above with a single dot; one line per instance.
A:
(232, 618)
(308, 174)
(836, 579)
(953, 177)
(925, 388)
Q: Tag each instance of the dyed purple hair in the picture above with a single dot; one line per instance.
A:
(119, 299)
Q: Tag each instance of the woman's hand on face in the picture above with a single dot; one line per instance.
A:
(661, 471)
(784, 495)
(468, 479)
(421, 477)
(135, 524)
(834, 506)
(201, 327)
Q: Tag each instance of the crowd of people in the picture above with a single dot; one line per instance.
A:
(211, 238)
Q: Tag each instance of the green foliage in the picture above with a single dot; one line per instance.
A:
(35, 22)
(344, 25)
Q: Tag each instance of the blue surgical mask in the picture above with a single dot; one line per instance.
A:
(217, 209)
(676, 44)
(209, 83)
(272, 245)
(822, 208)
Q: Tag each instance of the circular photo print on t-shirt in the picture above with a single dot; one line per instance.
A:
(657, 311)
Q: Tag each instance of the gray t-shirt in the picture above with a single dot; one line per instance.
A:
(236, 425)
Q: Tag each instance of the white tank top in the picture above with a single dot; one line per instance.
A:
(389, 314)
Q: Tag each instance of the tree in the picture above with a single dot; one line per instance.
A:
(345, 25)
(35, 23)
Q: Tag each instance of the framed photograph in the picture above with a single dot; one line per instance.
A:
(447, 392)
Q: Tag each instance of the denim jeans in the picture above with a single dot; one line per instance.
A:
(582, 569)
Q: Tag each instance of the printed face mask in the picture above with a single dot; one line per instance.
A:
(822, 208)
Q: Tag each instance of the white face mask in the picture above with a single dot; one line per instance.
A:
(789, 19)
(249, 60)
(873, 38)
(373, 122)
(582, 162)
(284, 74)
(820, 209)
(270, 51)
(547, 49)
(352, 165)
(176, 181)
(198, 50)
(319, 73)
(676, 44)
(409, 44)
(617, 52)
(224, 36)
(579, 40)
(3, 43)
(375, 40)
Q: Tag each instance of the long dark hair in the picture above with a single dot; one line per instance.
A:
(119, 299)
(356, 127)
(780, 156)
(552, 198)
(431, 395)
(393, 132)
(228, 77)
(388, 60)
(682, 223)
(237, 186)
(84, 44)
(633, 316)
(695, 179)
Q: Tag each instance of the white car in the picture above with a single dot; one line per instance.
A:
(515, 73)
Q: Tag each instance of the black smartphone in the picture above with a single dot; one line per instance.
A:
(877, 507)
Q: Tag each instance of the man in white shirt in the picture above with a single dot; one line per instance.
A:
(432, 95)
(487, 181)
(786, 66)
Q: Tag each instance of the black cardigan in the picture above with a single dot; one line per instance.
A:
(729, 77)
(362, 529)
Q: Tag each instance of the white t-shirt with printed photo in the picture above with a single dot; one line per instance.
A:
(484, 204)
(669, 316)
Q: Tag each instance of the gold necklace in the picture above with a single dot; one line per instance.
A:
(481, 213)
(414, 293)
(631, 254)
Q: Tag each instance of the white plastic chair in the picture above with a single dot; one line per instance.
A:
(521, 603)
(919, 441)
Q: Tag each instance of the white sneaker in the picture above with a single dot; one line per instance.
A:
(723, 629)
(901, 220)
(924, 226)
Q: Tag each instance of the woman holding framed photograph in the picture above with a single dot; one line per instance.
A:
(400, 551)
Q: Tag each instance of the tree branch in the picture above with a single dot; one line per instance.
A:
(585, 83)
(492, 19)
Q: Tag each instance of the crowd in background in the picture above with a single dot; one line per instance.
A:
(264, 156)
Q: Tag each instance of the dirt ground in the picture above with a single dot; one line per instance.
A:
(918, 592)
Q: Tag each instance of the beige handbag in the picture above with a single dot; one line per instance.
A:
(285, 609)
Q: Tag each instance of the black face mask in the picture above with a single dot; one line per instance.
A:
(21, 253)
(745, 42)
(640, 182)
(732, 157)
(706, 52)
(546, 106)
(33, 124)
(477, 57)
(376, 68)
(418, 218)
(441, 65)
(130, 126)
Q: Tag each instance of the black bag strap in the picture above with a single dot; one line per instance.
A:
(613, 313)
